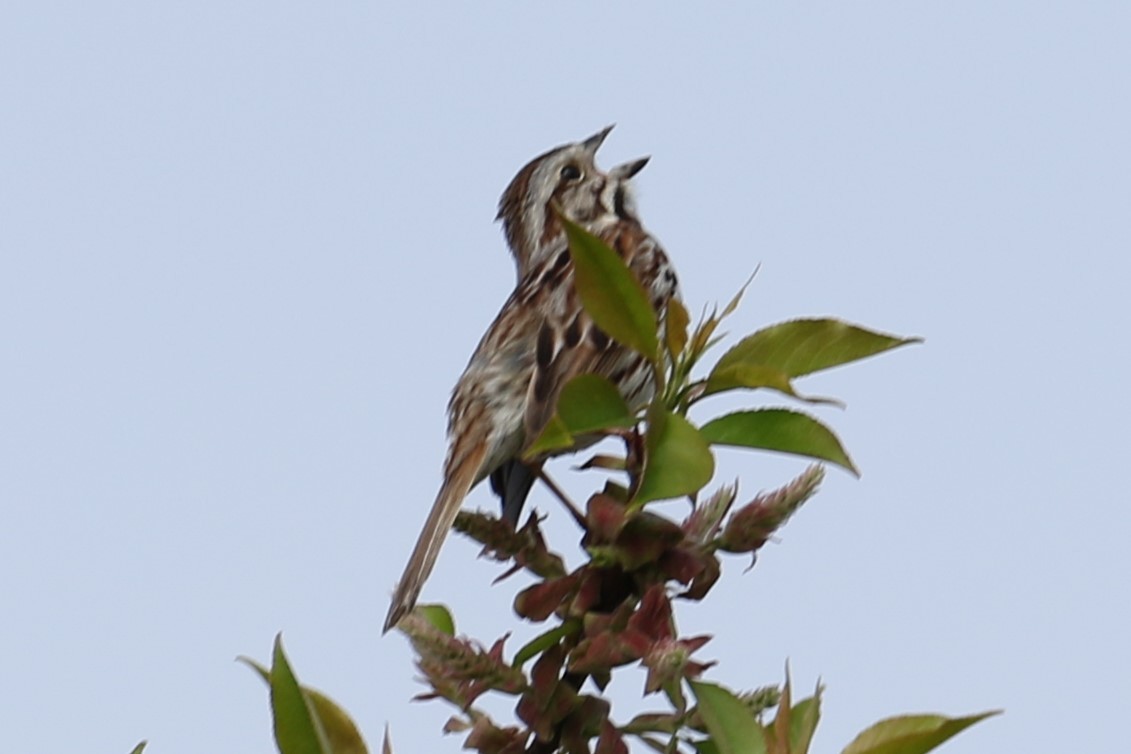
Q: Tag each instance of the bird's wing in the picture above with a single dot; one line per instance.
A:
(569, 343)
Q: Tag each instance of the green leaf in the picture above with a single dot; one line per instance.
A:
(794, 724)
(439, 616)
(544, 641)
(263, 672)
(333, 728)
(588, 403)
(912, 734)
(341, 731)
(778, 732)
(734, 302)
(780, 430)
(139, 748)
(754, 376)
(678, 459)
(805, 346)
(803, 723)
(610, 293)
(555, 436)
(296, 728)
(733, 729)
(701, 337)
(675, 327)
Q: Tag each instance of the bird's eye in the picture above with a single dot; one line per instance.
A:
(571, 173)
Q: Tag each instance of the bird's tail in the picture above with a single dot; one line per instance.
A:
(458, 479)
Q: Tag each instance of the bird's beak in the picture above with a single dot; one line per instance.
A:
(628, 169)
(594, 142)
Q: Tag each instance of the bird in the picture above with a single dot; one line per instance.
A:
(567, 175)
(526, 212)
(540, 339)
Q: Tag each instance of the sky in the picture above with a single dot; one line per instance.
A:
(246, 249)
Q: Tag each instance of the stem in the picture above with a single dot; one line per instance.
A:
(658, 375)
(574, 511)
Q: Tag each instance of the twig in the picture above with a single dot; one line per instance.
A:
(574, 511)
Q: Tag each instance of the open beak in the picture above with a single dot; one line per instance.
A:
(594, 142)
(628, 169)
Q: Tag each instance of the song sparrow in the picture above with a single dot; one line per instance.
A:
(526, 211)
(540, 339)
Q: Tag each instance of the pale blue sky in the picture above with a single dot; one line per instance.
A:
(247, 247)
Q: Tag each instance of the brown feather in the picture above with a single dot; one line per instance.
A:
(457, 482)
(579, 347)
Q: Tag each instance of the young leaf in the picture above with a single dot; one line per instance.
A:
(439, 617)
(602, 461)
(734, 302)
(610, 293)
(341, 732)
(675, 327)
(263, 672)
(678, 461)
(733, 729)
(780, 430)
(297, 730)
(805, 346)
(803, 723)
(701, 337)
(777, 732)
(911, 734)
